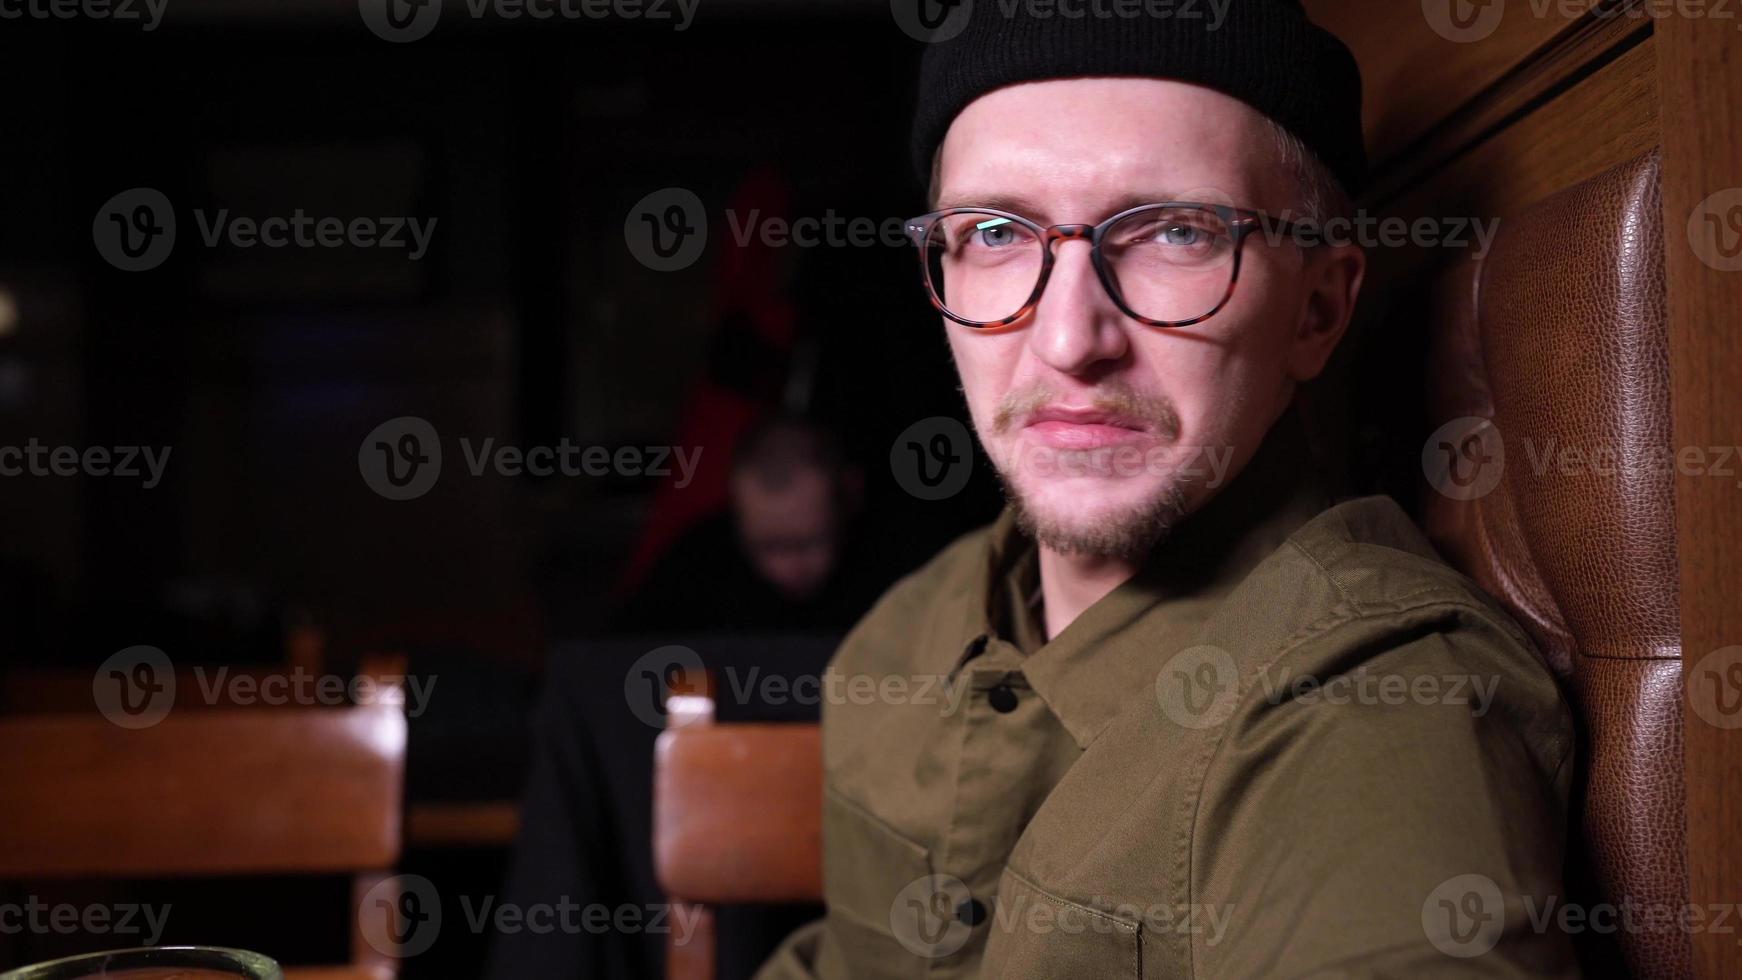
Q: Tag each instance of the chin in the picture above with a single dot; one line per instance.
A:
(1108, 517)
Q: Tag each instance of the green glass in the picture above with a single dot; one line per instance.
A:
(156, 963)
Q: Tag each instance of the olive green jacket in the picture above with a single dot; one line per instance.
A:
(1295, 744)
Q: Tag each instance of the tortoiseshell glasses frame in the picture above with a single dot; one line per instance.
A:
(1237, 223)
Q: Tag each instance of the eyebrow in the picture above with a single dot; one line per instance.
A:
(1016, 204)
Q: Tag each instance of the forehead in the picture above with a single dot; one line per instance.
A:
(1078, 149)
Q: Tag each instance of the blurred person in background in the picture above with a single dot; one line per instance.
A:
(786, 556)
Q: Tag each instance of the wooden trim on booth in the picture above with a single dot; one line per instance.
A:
(1700, 79)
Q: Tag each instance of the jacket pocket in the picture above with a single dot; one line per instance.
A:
(1037, 935)
(871, 875)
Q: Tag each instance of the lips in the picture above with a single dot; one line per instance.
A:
(1084, 416)
(1063, 427)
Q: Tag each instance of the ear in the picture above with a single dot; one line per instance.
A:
(1333, 274)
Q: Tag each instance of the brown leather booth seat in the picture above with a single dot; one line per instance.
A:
(1558, 336)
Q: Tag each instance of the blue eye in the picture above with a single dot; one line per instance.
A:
(996, 232)
(1181, 235)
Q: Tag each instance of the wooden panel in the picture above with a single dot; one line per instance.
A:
(1415, 77)
(462, 824)
(211, 792)
(692, 958)
(738, 813)
(1700, 62)
(337, 973)
(1604, 120)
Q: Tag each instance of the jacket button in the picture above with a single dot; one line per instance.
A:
(1002, 699)
(971, 912)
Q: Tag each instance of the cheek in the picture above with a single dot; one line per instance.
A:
(985, 364)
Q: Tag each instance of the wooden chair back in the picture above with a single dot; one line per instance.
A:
(211, 792)
(737, 819)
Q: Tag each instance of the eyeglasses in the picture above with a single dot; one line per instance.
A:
(1166, 265)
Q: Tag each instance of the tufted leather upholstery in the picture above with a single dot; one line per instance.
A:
(1558, 336)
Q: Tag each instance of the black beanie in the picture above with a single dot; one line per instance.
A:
(1264, 53)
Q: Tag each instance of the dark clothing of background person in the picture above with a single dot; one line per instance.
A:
(587, 816)
(706, 583)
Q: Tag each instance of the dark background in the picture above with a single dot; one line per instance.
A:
(528, 321)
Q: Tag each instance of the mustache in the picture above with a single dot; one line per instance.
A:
(1115, 398)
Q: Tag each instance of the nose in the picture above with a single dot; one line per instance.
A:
(1076, 326)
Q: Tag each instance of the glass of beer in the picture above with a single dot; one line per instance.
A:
(157, 963)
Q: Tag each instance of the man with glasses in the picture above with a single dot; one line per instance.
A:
(1199, 721)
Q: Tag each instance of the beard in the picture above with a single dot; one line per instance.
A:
(1128, 533)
